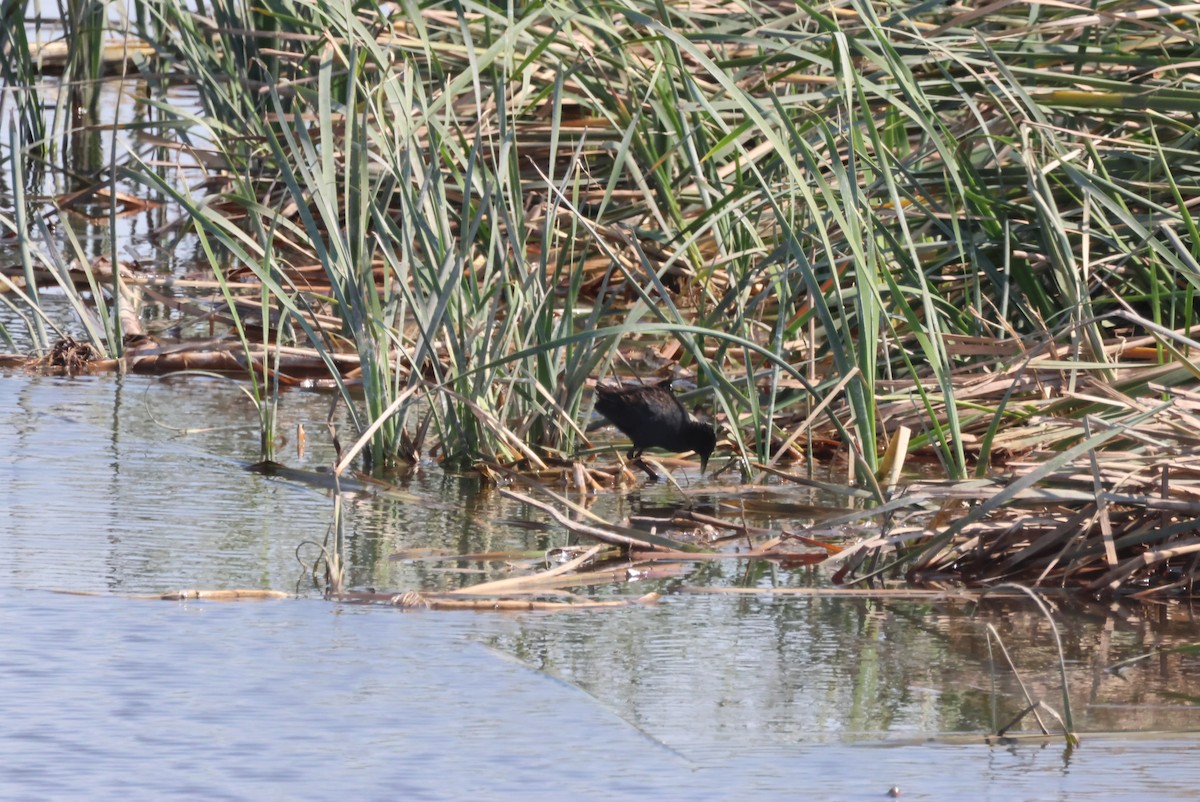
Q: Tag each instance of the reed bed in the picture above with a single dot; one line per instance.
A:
(864, 232)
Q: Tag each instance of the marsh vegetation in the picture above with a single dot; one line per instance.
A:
(868, 237)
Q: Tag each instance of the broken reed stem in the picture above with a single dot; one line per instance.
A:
(414, 600)
(603, 535)
(518, 583)
(991, 630)
(1112, 579)
(1067, 719)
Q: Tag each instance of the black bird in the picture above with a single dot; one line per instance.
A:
(651, 416)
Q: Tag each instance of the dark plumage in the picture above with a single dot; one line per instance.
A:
(651, 416)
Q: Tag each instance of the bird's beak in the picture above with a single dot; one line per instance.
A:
(703, 464)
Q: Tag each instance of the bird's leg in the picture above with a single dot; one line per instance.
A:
(635, 456)
(648, 469)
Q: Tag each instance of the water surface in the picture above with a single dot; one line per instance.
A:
(118, 487)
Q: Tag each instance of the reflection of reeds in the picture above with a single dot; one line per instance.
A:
(19, 74)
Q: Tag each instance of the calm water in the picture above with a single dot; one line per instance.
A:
(115, 487)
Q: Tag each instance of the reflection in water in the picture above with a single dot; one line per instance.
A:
(114, 487)
(110, 697)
